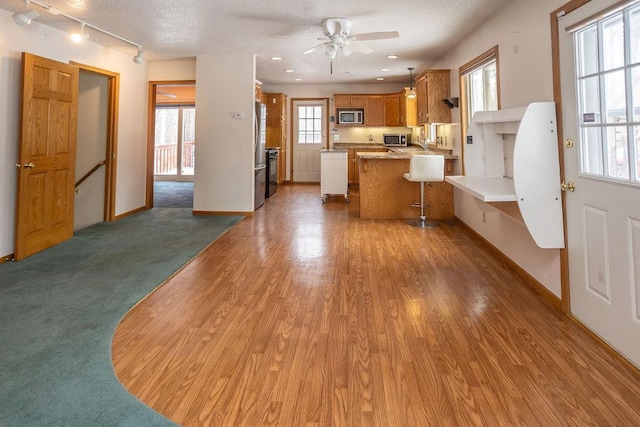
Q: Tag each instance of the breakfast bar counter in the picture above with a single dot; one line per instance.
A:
(385, 194)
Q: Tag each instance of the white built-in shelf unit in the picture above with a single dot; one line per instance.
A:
(511, 163)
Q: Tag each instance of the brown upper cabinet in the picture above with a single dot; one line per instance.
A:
(400, 110)
(374, 110)
(432, 87)
(346, 101)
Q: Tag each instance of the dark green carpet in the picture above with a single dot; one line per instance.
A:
(59, 310)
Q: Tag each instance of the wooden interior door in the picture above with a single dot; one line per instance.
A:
(46, 153)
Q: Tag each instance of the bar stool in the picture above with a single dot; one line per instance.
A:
(424, 168)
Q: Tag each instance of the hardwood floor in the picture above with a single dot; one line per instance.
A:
(307, 315)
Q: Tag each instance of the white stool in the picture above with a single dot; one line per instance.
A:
(424, 168)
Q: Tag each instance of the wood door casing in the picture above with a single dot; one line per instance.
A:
(45, 201)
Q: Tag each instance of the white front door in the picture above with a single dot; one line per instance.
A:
(601, 114)
(309, 137)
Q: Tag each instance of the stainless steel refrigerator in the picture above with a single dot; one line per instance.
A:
(260, 146)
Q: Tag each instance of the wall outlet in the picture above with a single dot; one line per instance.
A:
(336, 137)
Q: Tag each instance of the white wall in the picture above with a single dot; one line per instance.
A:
(523, 34)
(50, 43)
(224, 177)
(172, 70)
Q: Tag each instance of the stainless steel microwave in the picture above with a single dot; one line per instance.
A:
(396, 139)
(350, 116)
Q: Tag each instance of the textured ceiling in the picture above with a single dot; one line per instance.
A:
(169, 29)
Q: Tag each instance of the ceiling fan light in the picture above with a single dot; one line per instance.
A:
(24, 18)
(331, 50)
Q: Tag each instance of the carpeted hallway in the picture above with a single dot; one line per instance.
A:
(59, 309)
(172, 194)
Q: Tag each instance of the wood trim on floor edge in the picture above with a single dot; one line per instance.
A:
(7, 258)
(132, 212)
(531, 282)
(606, 346)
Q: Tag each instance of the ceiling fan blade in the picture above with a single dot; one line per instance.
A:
(380, 35)
(358, 47)
(315, 48)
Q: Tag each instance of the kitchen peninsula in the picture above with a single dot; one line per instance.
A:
(385, 194)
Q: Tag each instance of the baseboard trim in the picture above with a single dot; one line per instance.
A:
(605, 345)
(221, 213)
(133, 212)
(531, 282)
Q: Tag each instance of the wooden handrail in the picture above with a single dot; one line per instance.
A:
(88, 174)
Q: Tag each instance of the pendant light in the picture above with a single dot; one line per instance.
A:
(412, 93)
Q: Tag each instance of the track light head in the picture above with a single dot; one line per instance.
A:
(79, 36)
(138, 58)
(24, 18)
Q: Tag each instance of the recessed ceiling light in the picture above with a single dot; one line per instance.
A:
(380, 78)
(298, 79)
(276, 58)
(348, 72)
(392, 56)
(384, 69)
(288, 71)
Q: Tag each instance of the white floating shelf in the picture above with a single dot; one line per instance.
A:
(485, 189)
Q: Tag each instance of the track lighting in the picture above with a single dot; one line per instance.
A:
(412, 93)
(138, 58)
(79, 37)
(24, 18)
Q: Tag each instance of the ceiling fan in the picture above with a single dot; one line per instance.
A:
(339, 38)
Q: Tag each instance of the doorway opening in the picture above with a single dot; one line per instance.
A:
(96, 146)
(171, 145)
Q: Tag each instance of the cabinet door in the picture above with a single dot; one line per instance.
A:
(392, 110)
(341, 101)
(274, 109)
(374, 111)
(352, 167)
(408, 110)
(438, 88)
(358, 101)
(421, 101)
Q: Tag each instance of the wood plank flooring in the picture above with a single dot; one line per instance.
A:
(307, 315)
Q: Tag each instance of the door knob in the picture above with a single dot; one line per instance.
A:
(569, 143)
(29, 165)
(568, 186)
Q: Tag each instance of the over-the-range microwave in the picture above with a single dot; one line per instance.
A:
(350, 116)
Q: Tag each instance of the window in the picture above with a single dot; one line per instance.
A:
(310, 124)
(479, 84)
(607, 64)
(174, 141)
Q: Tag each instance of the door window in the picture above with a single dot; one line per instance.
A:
(310, 124)
(607, 64)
